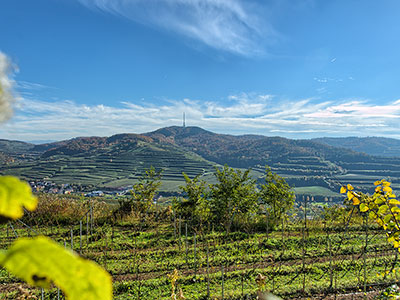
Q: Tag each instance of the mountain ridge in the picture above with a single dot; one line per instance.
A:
(378, 146)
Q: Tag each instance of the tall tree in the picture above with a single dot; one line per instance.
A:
(195, 205)
(143, 192)
(234, 195)
(276, 196)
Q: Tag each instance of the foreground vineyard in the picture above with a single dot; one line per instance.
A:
(316, 258)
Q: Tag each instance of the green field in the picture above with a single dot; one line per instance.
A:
(315, 191)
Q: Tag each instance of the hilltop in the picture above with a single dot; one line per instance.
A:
(249, 150)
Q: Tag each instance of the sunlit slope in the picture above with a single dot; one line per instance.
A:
(111, 162)
(304, 163)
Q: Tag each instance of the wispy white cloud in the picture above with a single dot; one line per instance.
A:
(257, 114)
(26, 85)
(326, 79)
(230, 25)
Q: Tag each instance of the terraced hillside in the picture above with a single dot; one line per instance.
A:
(110, 162)
(314, 168)
(303, 163)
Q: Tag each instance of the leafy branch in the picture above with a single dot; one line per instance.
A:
(382, 207)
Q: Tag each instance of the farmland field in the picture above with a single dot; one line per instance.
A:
(315, 190)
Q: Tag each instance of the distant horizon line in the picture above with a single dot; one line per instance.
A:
(47, 141)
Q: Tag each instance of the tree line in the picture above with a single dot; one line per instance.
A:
(235, 201)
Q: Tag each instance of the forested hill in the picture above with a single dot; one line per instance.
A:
(379, 146)
(249, 150)
(14, 147)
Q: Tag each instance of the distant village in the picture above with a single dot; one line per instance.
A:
(44, 186)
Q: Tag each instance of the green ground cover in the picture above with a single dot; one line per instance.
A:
(141, 253)
(315, 191)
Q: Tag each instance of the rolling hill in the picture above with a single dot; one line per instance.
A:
(109, 162)
(15, 147)
(378, 146)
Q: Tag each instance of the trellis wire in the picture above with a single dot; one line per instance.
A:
(334, 275)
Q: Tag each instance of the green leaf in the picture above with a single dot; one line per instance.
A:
(14, 195)
(363, 207)
(387, 218)
(383, 209)
(40, 261)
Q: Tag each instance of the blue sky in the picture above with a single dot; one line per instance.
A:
(293, 68)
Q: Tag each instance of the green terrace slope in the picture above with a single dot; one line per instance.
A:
(109, 162)
(304, 163)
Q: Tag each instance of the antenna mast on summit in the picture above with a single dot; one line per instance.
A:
(184, 120)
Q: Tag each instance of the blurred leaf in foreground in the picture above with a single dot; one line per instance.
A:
(14, 195)
(40, 262)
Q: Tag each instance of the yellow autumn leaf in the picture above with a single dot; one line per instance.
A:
(385, 183)
(14, 196)
(350, 195)
(394, 202)
(350, 187)
(387, 189)
(356, 201)
(395, 210)
(343, 190)
(377, 182)
(378, 189)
